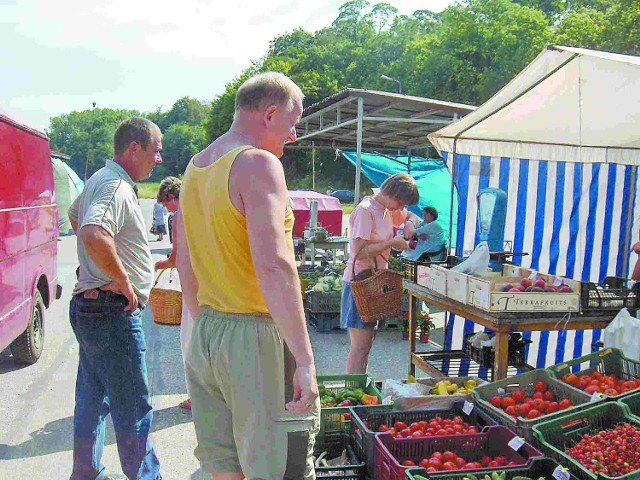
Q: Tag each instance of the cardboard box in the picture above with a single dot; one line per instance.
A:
(424, 276)
(438, 278)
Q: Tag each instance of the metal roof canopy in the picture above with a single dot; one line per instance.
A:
(381, 120)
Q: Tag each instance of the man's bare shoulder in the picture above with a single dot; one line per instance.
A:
(256, 161)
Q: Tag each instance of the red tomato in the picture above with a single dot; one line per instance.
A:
(383, 428)
(538, 396)
(538, 404)
(406, 432)
(449, 466)
(507, 402)
(399, 425)
(540, 386)
(533, 413)
(424, 463)
(423, 425)
(441, 432)
(552, 407)
(449, 457)
(435, 463)
(408, 463)
(564, 404)
(418, 433)
(393, 432)
(518, 396)
(591, 389)
(496, 401)
(611, 392)
(414, 427)
(511, 411)
(460, 462)
(548, 396)
(571, 379)
(523, 409)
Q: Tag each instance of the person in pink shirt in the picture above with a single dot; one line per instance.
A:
(371, 226)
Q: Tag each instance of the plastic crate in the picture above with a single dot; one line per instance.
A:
(539, 467)
(610, 361)
(363, 436)
(562, 433)
(324, 322)
(611, 295)
(485, 356)
(524, 382)
(332, 419)
(632, 402)
(319, 302)
(334, 444)
(493, 441)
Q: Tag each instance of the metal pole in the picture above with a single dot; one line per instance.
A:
(356, 195)
(626, 244)
(313, 166)
(409, 161)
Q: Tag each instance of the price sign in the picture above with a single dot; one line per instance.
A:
(561, 473)
(595, 397)
(557, 282)
(387, 400)
(501, 391)
(468, 407)
(533, 275)
(368, 382)
(516, 442)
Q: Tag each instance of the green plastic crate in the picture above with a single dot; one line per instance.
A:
(632, 402)
(332, 418)
(540, 467)
(525, 382)
(609, 361)
(560, 434)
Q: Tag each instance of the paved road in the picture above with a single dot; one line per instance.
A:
(36, 402)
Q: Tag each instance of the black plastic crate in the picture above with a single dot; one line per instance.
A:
(324, 322)
(613, 294)
(485, 356)
(321, 302)
(410, 267)
(334, 444)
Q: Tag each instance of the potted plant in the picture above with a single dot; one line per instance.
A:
(424, 325)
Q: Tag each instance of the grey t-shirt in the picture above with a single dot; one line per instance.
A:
(108, 200)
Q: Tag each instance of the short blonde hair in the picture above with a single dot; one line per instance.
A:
(169, 186)
(401, 187)
(269, 88)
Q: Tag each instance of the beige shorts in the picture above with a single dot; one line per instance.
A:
(239, 377)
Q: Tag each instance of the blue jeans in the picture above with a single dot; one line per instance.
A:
(112, 378)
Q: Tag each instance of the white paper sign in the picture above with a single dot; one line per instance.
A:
(557, 282)
(368, 382)
(561, 473)
(501, 391)
(468, 407)
(516, 442)
(596, 396)
(533, 275)
(387, 400)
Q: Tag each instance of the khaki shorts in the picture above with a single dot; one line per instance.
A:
(239, 377)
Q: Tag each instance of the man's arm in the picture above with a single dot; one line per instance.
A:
(636, 271)
(188, 279)
(101, 248)
(73, 215)
(264, 195)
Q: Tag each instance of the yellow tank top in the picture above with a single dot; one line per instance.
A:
(217, 237)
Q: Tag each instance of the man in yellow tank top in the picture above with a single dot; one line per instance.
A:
(250, 351)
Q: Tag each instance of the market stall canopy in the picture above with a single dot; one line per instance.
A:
(387, 120)
(329, 211)
(569, 104)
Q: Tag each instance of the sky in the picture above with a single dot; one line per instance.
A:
(61, 56)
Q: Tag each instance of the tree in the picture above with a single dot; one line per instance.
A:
(180, 142)
(582, 27)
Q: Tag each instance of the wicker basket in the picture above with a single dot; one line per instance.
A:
(379, 296)
(166, 304)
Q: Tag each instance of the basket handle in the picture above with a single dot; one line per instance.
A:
(160, 274)
(375, 262)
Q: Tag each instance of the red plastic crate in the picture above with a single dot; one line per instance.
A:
(493, 441)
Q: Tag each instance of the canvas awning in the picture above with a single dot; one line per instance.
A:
(569, 104)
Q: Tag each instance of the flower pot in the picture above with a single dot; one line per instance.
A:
(405, 335)
(424, 338)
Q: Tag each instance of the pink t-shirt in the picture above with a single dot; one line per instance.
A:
(371, 221)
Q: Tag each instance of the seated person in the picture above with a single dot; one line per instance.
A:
(431, 238)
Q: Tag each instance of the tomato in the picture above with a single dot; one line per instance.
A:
(496, 401)
(471, 466)
(406, 432)
(548, 396)
(408, 463)
(414, 427)
(518, 396)
(511, 411)
(424, 463)
(571, 379)
(502, 461)
(564, 404)
(449, 456)
(591, 389)
(441, 432)
(493, 464)
(533, 413)
(460, 462)
(523, 409)
(435, 463)
(507, 402)
(485, 460)
(611, 392)
(432, 470)
(393, 432)
(540, 386)
(552, 407)
(383, 428)
(449, 466)
(399, 425)
(538, 395)
(458, 420)
(538, 404)
(417, 433)
(423, 425)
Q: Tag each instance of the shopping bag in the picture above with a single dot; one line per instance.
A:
(477, 263)
(623, 333)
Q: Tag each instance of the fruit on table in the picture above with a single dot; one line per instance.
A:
(609, 452)
(447, 461)
(535, 285)
(344, 397)
(447, 387)
(369, 399)
(493, 476)
(597, 382)
(541, 402)
(437, 426)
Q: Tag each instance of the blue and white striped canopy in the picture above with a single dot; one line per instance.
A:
(577, 220)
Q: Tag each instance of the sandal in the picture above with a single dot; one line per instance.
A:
(186, 404)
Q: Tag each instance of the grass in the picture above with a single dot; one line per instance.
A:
(347, 208)
(148, 190)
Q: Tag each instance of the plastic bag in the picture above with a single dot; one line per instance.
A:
(623, 333)
(478, 262)
(410, 396)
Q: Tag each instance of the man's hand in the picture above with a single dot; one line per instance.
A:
(409, 230)
(305, 390)
(636, 248)
(124, 288)
(162, 264)
(399, 243)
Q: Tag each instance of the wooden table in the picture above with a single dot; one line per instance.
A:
(501, 323)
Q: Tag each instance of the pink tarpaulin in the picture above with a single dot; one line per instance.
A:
(329, 211)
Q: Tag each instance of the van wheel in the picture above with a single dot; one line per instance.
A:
(28, 346)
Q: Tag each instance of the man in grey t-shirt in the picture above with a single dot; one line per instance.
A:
(114, 281)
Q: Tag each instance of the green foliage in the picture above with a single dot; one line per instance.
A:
(180, 142)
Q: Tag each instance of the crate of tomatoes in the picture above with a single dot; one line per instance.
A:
(367, 423)
(522, 401)
(607, 372)
(600, 442)
(488, 450)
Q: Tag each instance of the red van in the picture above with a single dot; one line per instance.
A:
(28, 239)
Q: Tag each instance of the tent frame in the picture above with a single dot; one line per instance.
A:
(385, 121)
